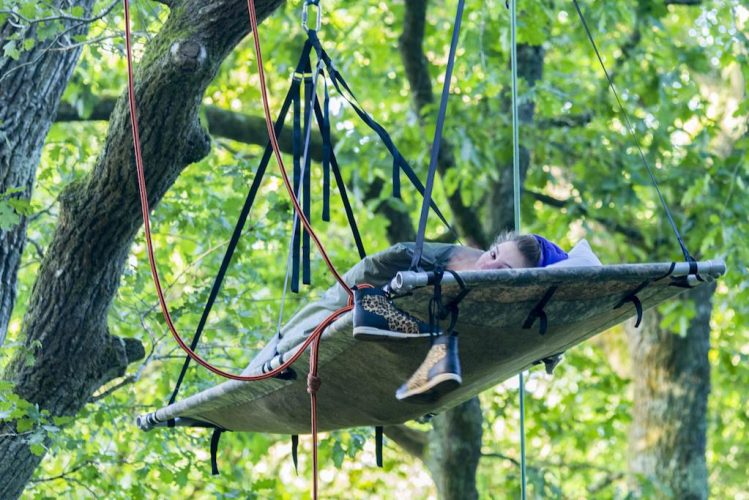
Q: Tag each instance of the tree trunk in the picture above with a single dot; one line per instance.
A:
(669, 420)
(100, 216)
(454, 446)
(501, 200)
(30, 91)
(455, 450)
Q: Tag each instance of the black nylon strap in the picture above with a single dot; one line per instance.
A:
(416, 261)
(297, 154)
(327, 148)
(632, 297)
(538, 312)
(295, 452)
(342, 190)
(215, 438)
(687, 256)
(345, 91)
(307, 182)
(378, 445)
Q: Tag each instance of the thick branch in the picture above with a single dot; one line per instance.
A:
(630, 232)
(569, 121)
(413, 441)
(221, 123)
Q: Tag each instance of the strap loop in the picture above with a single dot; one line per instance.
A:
(378, 445)
(538, 312)
(215, 438)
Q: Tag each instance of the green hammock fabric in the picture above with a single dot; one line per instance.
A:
(359, 378)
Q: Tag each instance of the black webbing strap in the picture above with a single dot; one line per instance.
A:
(327, 149)
(687, 256)
(295, 452)
(342, 189)
(297, 154)
(538, 312)
(307, 180)
(416, 261)
(215, 438)
(439, 311)
(241, 221)
(345, 91)
(632, 297)
(378, 445)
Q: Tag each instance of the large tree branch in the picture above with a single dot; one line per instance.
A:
(239, 127)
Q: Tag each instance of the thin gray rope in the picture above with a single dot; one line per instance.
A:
(294, 225)
(516, 207)
(632, 135)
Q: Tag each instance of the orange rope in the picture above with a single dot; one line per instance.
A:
(313, 382)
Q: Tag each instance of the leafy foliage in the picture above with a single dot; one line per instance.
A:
(681, 72)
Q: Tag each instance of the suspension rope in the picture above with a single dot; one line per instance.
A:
(516, 213)
(437, 142)
(633, 137)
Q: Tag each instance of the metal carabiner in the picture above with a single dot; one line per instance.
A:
(305, 16)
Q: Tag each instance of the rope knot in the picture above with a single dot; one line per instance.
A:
(313, 383)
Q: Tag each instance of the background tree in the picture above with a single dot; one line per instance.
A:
(671, 64)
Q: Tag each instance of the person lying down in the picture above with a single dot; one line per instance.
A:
(376, 318)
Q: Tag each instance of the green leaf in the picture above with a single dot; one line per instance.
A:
(8, 217)
(10, 49)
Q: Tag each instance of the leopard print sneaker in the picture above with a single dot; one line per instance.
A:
(438, 373)
(376, 318)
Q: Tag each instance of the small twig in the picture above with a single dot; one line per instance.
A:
(122, 383)
(63, 475)
(62, 16)
(37, 247)
(91, 41)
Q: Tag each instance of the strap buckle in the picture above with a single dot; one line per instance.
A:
(305, 14)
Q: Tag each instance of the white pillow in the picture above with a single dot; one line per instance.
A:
(580, 256)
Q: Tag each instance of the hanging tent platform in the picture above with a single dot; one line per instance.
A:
(501, 330)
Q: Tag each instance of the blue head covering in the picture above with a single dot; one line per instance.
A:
(550, 252)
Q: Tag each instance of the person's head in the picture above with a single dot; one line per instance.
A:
(511, 251)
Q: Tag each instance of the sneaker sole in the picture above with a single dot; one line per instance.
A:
(432, 390)
(372, 333)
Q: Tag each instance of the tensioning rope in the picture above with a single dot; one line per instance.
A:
(516, 212)
(633, 137)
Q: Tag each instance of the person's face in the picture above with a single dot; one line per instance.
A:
(503, 256)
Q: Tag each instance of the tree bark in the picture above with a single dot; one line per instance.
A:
(30, 91)
(455, 450)
(501, 199)
(671, 387)
(100, 216)
(239, 127)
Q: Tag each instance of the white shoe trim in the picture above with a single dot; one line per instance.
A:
(431, 384)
